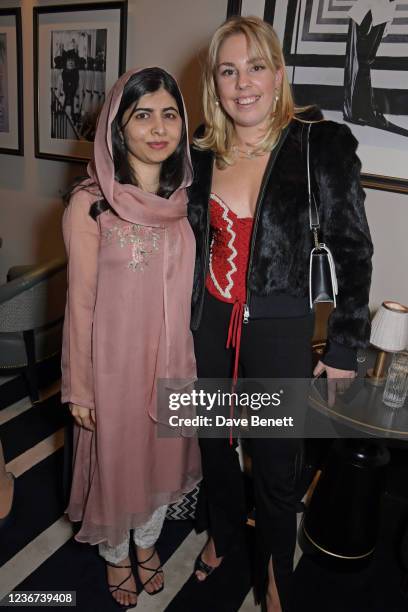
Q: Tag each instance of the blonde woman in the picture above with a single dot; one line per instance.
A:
(249, 211)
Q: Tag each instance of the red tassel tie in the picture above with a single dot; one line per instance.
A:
(234, 341)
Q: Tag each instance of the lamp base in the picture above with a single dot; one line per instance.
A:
(372, 379)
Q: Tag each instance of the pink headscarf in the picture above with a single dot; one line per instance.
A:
(128, 201)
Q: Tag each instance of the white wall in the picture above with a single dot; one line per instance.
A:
(170, 33)
(388, 219)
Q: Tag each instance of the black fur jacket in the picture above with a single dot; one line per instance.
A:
(280, 262)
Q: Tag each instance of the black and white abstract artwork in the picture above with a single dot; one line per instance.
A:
(351, 58)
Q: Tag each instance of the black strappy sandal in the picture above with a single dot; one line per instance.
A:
(155, 571)
(203, 567)
(118, 587)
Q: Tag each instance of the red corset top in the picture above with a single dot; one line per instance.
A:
(229, 253)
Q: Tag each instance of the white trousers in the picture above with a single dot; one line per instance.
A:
(144, 536)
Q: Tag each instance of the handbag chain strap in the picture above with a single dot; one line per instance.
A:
(313, 212)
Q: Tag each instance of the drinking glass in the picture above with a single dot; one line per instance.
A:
(396, 386)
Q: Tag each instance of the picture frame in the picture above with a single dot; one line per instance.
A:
(11, 83)
(79, 53)
(319, 41)
(234, 7)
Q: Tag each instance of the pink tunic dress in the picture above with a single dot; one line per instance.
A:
(117, 344)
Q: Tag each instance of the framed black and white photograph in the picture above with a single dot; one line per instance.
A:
(350, 57)
(79, 52)
(11, 83)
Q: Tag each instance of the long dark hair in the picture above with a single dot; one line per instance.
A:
(172, 171)
(147, 81)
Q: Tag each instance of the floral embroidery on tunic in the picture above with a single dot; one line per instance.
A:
(144, 241)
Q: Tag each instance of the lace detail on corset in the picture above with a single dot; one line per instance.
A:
(143, 240)
(229, 227)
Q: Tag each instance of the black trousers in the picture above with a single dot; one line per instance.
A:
(269, 348)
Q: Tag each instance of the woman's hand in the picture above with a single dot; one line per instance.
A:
(338, 381)
(84, 417)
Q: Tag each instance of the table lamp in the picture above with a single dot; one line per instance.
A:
(389, 333)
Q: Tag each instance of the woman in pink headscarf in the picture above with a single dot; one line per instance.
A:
(131, 258)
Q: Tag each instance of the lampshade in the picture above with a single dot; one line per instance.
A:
(389, 327)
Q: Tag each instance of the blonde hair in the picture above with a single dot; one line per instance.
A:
(263, 42)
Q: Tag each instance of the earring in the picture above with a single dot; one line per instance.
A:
(217, 102)
(275, 104)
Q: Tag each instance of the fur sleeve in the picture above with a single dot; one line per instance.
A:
(344, 230)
